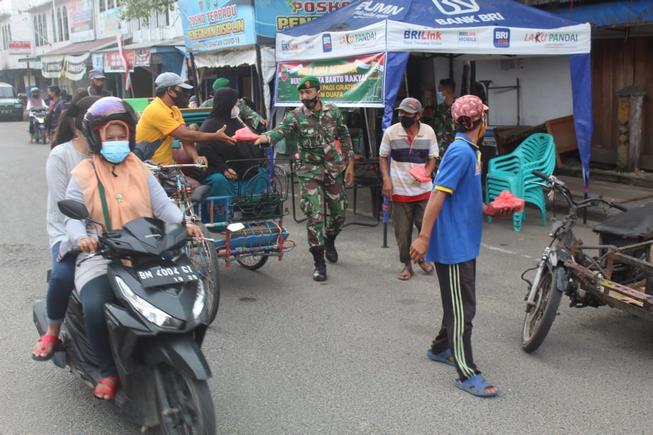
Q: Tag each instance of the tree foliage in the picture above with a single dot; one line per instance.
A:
(143, 9)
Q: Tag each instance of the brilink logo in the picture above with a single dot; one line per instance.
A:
(502, 37)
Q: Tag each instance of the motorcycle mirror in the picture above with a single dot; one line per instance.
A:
(73, 209)
(238, 226)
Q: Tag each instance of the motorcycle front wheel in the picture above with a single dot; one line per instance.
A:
(184, 404)
(540, 317)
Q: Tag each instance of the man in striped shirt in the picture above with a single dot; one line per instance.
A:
(412, 147)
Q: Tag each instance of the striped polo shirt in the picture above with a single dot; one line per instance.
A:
(405, 155)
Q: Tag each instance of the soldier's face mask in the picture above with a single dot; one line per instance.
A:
(309, 99)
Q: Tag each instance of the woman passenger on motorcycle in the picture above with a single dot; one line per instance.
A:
(130, 192)
(69, 149)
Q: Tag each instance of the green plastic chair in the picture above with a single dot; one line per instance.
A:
(514, 172)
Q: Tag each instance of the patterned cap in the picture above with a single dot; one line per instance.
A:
(410, 105)
(308, 82)
(470, 106)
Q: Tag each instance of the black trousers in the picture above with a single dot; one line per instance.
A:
(458, 290)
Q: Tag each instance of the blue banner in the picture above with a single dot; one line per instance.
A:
(213, 25)
(274, 16)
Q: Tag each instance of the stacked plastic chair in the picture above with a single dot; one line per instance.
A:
(514, 172)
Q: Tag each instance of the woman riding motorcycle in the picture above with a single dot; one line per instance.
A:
(116, 188)
(69, 149)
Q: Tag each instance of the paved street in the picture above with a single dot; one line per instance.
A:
(293, 356)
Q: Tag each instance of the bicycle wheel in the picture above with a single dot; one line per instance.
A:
(204, 257)
(540, 317)
(252, 262)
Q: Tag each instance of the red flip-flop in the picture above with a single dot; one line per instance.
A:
(107, 387)
(47, 343)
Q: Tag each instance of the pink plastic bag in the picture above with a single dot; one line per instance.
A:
(420, 174)
(245, 135)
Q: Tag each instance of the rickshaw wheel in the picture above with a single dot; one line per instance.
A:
(252, 262)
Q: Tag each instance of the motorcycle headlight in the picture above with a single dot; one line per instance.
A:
(150, 312)
(200, 299)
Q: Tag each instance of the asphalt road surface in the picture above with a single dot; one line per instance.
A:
(293, 356)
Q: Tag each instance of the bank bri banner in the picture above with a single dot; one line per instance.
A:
(213, 25)
(357, 81)
(274, 16)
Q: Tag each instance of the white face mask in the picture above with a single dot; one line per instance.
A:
(235, 112)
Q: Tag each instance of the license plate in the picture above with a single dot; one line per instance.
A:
(161, 275)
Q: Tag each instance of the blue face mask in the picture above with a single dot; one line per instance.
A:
(439, 97)
(115, 151)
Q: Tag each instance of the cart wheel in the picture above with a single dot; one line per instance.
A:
(252, 262)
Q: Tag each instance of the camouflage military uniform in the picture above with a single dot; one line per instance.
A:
(249, 116)
(321, 166)
(443, 125)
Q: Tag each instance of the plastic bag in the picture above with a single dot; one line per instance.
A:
(505, 201)
(420, 174)
(245, 135)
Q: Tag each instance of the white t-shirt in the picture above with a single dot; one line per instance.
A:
(404, 156)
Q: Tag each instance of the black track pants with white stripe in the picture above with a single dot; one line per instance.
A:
(458, 289)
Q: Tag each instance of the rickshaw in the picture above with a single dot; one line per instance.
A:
(617, 271)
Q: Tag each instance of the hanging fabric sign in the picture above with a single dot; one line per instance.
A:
(349, 82)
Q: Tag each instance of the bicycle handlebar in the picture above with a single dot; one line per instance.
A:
(589, 202)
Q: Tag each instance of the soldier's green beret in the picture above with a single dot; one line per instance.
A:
(220, 82)
(308, 82)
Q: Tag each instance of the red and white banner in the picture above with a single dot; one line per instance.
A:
(115, 63)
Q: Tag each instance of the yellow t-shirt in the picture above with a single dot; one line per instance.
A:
(156, 123)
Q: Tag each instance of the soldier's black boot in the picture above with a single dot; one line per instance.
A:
(330, 249)
(319, 274)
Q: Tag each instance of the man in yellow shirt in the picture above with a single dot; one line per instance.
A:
(162, 122)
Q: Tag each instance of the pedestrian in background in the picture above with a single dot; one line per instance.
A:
(413, 149)
(326, 165)
(451, 237)
(442, 120)
(97, 80)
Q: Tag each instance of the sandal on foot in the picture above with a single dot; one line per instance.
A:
(45, 347)
(405, 274)
(427, 268)
(106, 388)
(476, 385)
(444, 357)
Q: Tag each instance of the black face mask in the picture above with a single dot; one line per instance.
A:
(407, 121)
(180, 99)
(309, 102)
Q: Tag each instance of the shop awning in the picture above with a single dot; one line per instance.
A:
(227, 58)
(616, 13)
(80, 48)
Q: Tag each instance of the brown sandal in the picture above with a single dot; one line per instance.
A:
(427, 268)
(405, 274)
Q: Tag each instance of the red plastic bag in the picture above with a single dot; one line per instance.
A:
(505, 201)
(419, 173)
(245, 135)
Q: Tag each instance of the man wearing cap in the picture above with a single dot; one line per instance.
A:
(326, 164)
(246, 113)
(412, 147)
(162, 122)
(97, 80)
(451, 237)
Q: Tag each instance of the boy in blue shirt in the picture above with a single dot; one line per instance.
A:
(451, 238)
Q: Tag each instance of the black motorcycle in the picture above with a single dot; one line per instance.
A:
(156, 328)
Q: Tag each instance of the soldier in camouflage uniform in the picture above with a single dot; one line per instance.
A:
(442, 119)
(247, 114)
(326, 165)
